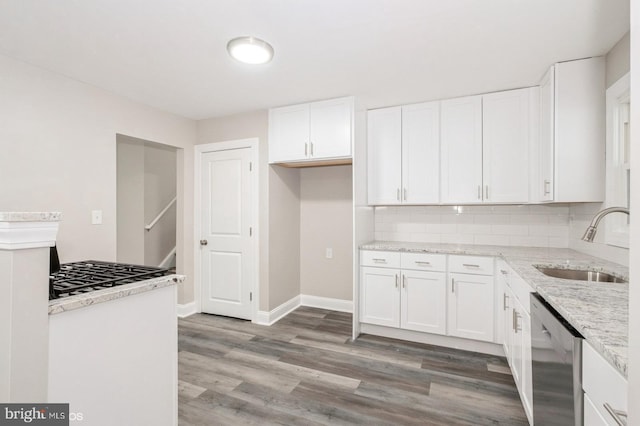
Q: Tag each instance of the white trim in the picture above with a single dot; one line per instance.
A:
(26, 235)
(199, 150)
(187, 309)
(167, 260)
(339, 305)
(434, 339)
(273, 316)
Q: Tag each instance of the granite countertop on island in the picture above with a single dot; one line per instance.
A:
(599, 311)
(70, 303)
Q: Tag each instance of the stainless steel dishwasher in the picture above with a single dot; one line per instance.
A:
(556, 354)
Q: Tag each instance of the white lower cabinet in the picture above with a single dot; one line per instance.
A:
(418, 296)
(516, 326)
(421, 301)
(471, 306)
(380, 296)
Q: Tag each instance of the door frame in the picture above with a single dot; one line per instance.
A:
(199, 151)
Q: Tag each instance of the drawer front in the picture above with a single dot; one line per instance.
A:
(381, 259)
(521, 289)
(478, 265)
(603, 383)
(424, 261)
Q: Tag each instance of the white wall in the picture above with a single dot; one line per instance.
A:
(326, 221)
(58, 141)
(279, 227)
(130, 201)
(517, 225)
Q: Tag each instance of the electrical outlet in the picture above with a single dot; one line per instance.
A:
(329, 253)
(96, 217)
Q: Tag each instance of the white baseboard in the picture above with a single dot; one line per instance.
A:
(187, 309)
(326, 303)
(273, 316)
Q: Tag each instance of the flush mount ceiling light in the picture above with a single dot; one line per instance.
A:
(250, 50)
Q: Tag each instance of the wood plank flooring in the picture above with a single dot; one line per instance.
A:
(305, 370)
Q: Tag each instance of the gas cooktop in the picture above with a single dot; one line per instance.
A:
(91, 275)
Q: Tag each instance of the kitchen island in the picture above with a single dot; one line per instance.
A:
(113, 353)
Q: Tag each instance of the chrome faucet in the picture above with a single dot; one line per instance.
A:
(590, 233)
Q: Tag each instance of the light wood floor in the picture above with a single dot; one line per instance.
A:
(304, 370)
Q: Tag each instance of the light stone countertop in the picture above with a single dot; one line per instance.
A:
(70, 303)
(599, 311)
(30, 216)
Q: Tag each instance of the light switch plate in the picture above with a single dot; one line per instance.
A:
(96, 217)
(329, 253)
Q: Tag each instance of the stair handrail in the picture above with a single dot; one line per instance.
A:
(154, 221)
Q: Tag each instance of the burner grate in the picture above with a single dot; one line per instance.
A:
(91, 275)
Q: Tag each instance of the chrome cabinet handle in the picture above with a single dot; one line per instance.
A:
(396, 280)
(504, 301)
(486, 192)
(547, 187)
(503, 272)
(398, 194)
(453, 288)
(380, 260)
(422, 262)
(479, 192)
(405, 194)
(616, 414)
(513, 321)
(403, 281)
(311, 148)
(470, 265)
(516, 326)
(204, 242)
(306, 149)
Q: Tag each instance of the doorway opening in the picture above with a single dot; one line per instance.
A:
(146, 202)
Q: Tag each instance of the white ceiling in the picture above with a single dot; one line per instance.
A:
(172, 54)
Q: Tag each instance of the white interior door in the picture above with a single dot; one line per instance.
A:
(227, 254)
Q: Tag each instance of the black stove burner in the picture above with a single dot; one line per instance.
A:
(91, 275)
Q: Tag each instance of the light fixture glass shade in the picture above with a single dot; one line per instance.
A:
(250, 50)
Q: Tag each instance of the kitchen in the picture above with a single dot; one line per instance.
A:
(59, 137)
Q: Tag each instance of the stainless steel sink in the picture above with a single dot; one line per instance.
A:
(574, 274)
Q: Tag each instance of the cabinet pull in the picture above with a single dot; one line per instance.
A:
(486, 192)
(398, 194)
(422, 262)
(470, 265)
(380, 260)
(453, 282)
(504, 301)
(616, 414)
(513, 321)
(405, 194)
(403, 281)
(311, 148)
(306, 148)
(503, 272)
(547, 187)
(516, 326)
(396, 280)
(479, 192)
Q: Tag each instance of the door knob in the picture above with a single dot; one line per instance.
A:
(204, 242)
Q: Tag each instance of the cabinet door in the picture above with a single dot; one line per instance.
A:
(591, 415)
(289, 133)
(423, 301)
(544, 186)
(523, 327)
(461, 144)
(471, 306)
(421, 153)
(507, 324)
(384, 142)
(505, 146)
(330, 128)
(380, 292)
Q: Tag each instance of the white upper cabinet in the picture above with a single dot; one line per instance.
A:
(421, 153)
(506, 129)
(404, 154)
(311, 133)
(461, 144)
(384, 142)
(572, 132)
